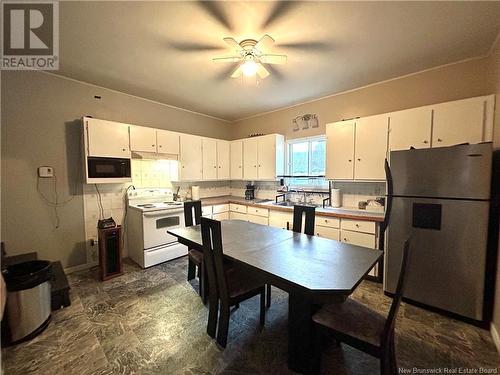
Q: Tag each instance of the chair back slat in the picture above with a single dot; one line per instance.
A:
(214, 255)
(398, 296)
(189, 218)
(309, 212)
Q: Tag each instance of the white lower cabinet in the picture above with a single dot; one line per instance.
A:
(280, 219)
(237, 216)
(221, 216)
(206, 211)
(258, 219)
(326, 232)
(360, 239)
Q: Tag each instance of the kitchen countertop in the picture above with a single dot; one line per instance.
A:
(342, 212)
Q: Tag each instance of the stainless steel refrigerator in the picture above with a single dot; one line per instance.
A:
(441, 197)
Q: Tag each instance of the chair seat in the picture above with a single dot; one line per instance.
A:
(240, 283)
(195, 255)
(353, 319)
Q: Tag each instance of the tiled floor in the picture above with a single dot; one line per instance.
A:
(153, 322)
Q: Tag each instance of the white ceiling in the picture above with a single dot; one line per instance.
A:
(163, 50)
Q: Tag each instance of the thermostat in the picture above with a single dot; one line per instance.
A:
(45, 172)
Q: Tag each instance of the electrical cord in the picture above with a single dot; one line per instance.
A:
(99, 202)
(124, 221)
(54, 204)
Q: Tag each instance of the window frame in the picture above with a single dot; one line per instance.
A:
(289, 160)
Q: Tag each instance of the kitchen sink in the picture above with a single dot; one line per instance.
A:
(291, 204)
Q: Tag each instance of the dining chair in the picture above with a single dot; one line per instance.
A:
(298, 213)
(361, 327)
(234, 284)
(387, 216)
(192, 216)
(310, 213)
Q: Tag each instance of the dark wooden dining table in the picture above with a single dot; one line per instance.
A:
(313, 270)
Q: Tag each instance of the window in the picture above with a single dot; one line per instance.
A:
(307, 157)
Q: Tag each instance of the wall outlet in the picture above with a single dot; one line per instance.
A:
(45, 172)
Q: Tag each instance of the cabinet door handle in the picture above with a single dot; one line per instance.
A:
(345, 240)
(160, 146)
(440, 140)
(152, 145)
(123, 149)
(215, 166)
(357, 225)
(426, 141)
(350, 160)
(359, 159)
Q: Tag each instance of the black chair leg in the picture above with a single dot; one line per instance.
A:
(191, 270)
(316, 357)
(212, 316)
(262, 307)
(223, 325)
(268, 295)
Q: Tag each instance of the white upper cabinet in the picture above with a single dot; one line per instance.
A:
(410, 128)
(209, 157)
(270, 155)
(142, 139)
(106, 138)
(190, 157)
(223, 163)
(250, 161)
(370, 147)
(167, 142)
(236, 159)
(263, 157)
(461, 121)
(340, 150)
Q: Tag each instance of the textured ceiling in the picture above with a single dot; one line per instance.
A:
(163, 50)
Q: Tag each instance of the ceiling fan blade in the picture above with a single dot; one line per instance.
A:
(238, 72)
(233, 43)
(264, 43)
(226, 59)
(262, 72)
(272, 59)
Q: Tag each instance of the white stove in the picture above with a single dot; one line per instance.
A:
(151, 213)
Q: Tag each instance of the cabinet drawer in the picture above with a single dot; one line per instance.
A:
(357, 238)
(257, 211)
(220, 208)
(358, 225)
(258, 219)
(206, 210)
(221, 216)
(237, 207)
(325, 221)
(326, 232)
(237, 216)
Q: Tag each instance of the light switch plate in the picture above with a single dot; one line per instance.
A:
(45, 172)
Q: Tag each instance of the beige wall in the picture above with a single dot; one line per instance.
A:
(458, 81)
(41, 126)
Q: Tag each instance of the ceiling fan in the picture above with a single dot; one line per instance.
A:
(251, 55)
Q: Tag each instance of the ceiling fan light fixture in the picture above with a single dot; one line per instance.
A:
(249, 68)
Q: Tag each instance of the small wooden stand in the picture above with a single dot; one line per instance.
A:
(110, 252)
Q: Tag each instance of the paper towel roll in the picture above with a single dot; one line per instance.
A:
(336, 200)
(195, 192)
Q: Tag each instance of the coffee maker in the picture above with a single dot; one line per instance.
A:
(250, 192)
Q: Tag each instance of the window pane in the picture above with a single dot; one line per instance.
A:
(299, 157)
(318, 156)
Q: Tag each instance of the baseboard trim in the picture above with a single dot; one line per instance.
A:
(495, 336)
(80, 267)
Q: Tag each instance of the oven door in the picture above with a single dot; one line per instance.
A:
(156, 224)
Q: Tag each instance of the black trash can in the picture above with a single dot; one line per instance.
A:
(28, 299)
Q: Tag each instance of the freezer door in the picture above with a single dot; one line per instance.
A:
(444, 172)
(446, 268)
